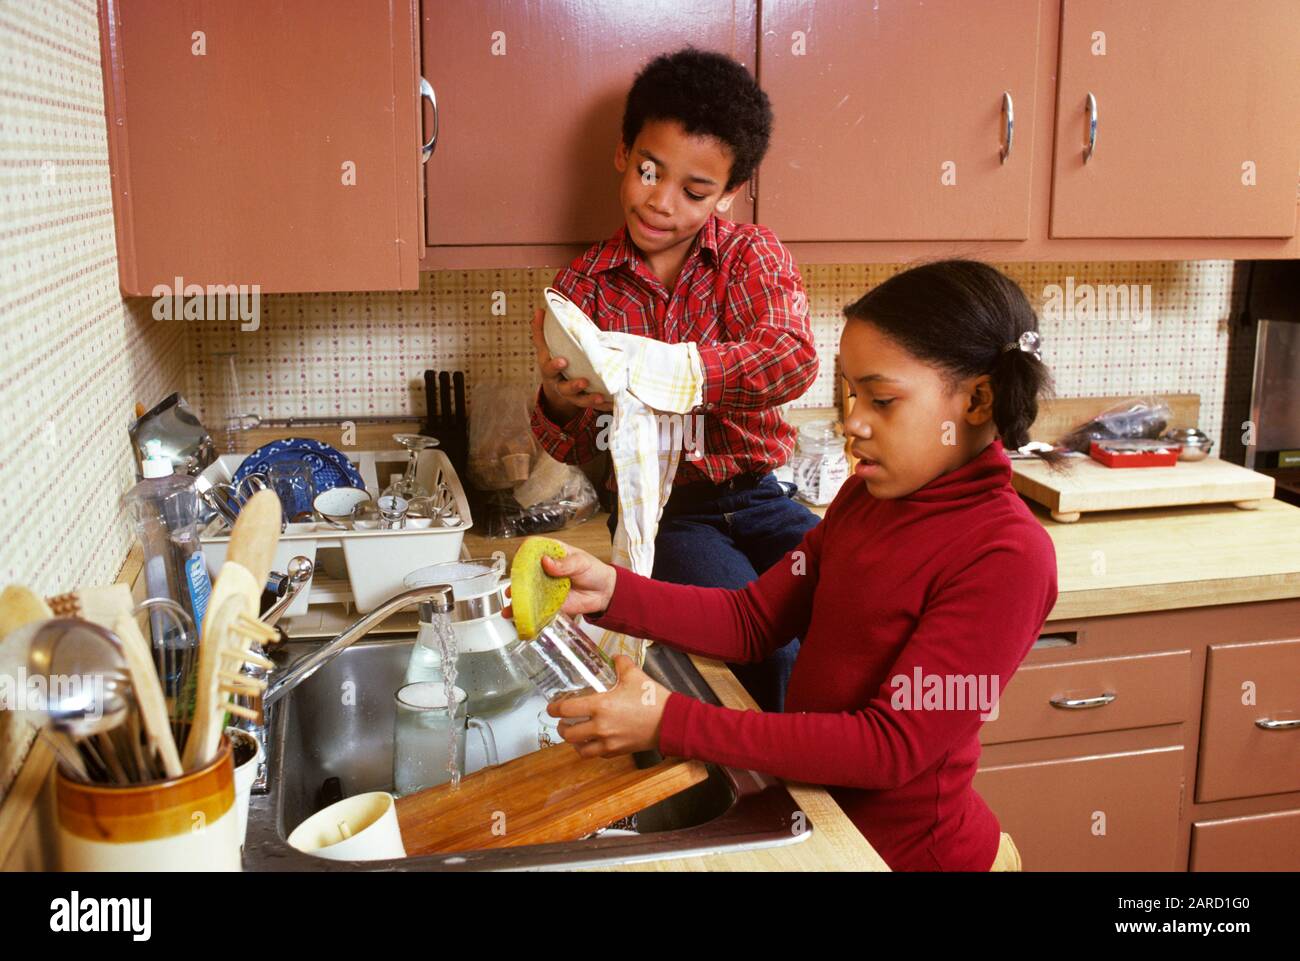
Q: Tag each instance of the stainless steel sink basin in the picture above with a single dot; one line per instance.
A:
(339, 724)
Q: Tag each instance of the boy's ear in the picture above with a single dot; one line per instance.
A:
(620, 157)
(979, 407)
(724, 202)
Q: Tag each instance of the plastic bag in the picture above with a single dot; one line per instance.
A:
(554, 496)
(1137, 417)
(502, 448)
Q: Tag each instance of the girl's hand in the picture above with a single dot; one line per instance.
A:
(622, 721)
(591, 581)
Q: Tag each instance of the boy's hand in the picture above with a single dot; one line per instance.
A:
(565, 399)
(591, 581)
(622, 721)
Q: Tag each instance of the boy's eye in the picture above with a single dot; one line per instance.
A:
(884, 402)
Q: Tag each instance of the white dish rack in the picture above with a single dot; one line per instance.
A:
(363, 568)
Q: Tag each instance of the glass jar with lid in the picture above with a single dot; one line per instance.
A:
(819, 465)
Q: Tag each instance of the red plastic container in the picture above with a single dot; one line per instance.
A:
(1145, 458)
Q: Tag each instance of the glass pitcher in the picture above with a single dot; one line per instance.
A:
(482, 635)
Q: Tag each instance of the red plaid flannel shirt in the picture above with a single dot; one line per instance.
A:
(739, 297)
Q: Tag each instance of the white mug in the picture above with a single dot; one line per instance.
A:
(360, 828)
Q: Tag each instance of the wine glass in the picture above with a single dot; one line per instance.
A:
(406, 486)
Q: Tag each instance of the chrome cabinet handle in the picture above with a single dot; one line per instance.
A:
(1091, 108)
(1268, 724)
(426, 92)
(1009, 125)
(1079, 703)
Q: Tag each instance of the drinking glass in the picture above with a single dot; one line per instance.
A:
(293, 483)
(562, 661)
(427, 733)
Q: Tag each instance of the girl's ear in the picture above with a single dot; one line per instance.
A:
(979, 407)
(620, 156)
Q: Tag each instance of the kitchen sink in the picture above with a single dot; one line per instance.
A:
(338, 724)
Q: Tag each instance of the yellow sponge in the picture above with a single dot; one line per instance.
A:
(535, 596)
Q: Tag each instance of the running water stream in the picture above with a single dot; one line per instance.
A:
(448, 655)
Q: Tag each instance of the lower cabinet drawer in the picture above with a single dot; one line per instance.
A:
(1260, 842)
(1115, 812)
(1250, 728)
(1081, 697)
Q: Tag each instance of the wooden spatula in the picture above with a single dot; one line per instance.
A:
(232, 625)
(19, 606)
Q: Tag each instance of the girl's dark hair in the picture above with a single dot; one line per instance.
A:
(707, 93)
(959, 316)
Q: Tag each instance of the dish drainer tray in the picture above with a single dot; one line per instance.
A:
(363, 568)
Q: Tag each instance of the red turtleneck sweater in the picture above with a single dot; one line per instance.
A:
(939, 594)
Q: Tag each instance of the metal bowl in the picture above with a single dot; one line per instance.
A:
(1196, 444)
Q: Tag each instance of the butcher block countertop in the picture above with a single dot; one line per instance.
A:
(1122, 562)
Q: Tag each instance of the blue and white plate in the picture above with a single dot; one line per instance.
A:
(330, 467)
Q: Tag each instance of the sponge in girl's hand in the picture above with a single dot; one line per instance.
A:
(535, 596)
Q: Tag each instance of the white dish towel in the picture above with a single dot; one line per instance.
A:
(654, 387)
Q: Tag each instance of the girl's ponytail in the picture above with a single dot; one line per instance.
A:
(1019, 376)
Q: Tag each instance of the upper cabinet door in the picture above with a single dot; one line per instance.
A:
(891, 120)
(270, 144)
(1196, 132)
(530, 108)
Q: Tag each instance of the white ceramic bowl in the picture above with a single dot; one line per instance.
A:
(336, 503)
(563, 317)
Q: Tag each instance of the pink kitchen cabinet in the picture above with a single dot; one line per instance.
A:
(269, 144)
(892, 119)
(1196, 106)
(530, 104)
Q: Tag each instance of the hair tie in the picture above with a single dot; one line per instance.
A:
(1030, 342)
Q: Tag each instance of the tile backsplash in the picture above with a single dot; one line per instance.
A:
(362, 354)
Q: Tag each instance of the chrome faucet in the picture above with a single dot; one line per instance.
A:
(438, 596)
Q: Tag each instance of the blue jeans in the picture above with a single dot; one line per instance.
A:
(716, 537)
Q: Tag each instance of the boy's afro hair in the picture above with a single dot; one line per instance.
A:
(707, 93)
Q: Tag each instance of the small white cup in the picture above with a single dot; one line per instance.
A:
(360, 828)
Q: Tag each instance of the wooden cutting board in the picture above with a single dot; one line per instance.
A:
(1089, 486)
(549, 795)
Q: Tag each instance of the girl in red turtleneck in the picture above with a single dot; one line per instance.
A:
(917, 596)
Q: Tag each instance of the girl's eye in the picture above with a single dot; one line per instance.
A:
(884, 402)
(693, 196)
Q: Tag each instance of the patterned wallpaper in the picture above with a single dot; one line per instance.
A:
(362, 354)
(75, 356)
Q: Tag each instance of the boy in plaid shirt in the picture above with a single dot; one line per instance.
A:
(695, 127)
